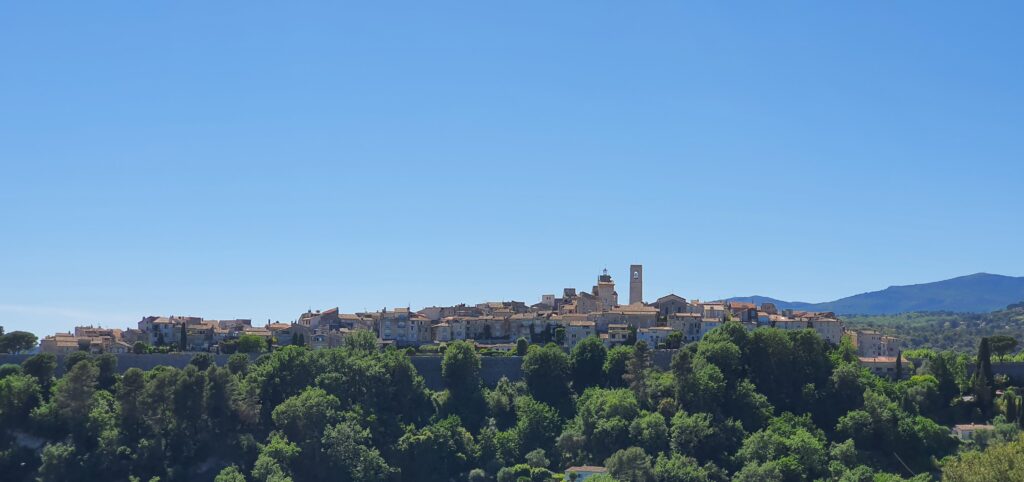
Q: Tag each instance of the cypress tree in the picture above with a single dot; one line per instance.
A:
(183, 342)
(899, 365)
(1011, 406)
(983, 381)
(985, 359)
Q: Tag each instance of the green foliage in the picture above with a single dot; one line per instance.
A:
(960, 332)
(700, 436)
(460, 370)
(435, 451)
(19, 394)
(202, 361)
(631, 465)
(250, 344)
(230, 474)
(361, 340)
(997, 462)
(17, 342)
(738, 405)
(42, 367)
(546, 371)
(522, 345)
(680, 468)
(537, 425)
(587, 360)
(615, 365)
(238, 363)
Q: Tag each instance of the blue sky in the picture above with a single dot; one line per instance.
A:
(241, 159)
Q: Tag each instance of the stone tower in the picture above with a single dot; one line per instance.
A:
(636, 283)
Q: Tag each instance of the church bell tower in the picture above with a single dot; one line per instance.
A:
(636, 283)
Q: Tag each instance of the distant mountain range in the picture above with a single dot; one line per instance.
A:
(979, 293)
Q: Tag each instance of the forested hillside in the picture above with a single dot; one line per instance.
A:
(766, 405)
(946, 330)
(976, 293)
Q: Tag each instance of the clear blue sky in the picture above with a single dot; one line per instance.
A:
(255, 159)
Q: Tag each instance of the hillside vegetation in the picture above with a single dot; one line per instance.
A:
(976, 293)
(767, 405)
(946, 330)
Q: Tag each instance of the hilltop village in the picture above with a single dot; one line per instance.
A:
(666, 323)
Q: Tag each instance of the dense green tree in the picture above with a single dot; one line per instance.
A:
(983, 384)
(649, 432)
(537, 458)
(680, 468)
(17, 342)
(546, 371)
(636, 373)
(437, 452)
(107, 375)
(19, 394)
(202, 361)
(183, 338)
(357, 413)
(304, 417)
(501, 403)
(1001, 345)
(350, 455)
(10, 369)
(230, 474)
(130, 398)
(537, 424)
(522, 345)
(250, 344)
(792, 438)
(631, 465)
(140, 348)
(943, 366)
(997, 462)
(1011, 406)
(601, 425)
(675, 340)
(726, 356)
(275, 460)
(73, 358)
(361, 340)
(73, 394)
(701, 436)
(42, 367)
(60, 464)
(238, 363)
(615, 365)
(460, 371)
(587, 359)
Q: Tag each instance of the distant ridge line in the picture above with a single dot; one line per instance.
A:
(977, 293)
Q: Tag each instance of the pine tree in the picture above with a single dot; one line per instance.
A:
(636, 372)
